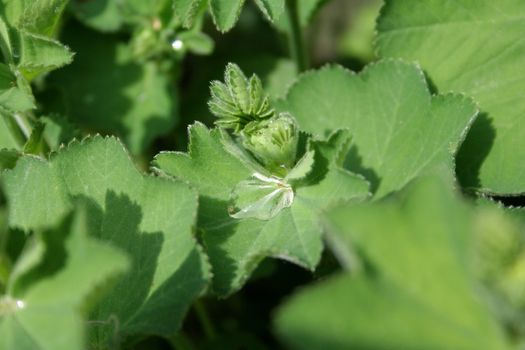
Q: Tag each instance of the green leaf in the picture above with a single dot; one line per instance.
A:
(103, 15)
(186, 11)
(14, 93)
(40, 54)
(399, 129)
(417, 291)
(196, 42)
(58, 131)
(149, 218)
(40, 16)
(236, 246)
(117, 95)
(272, 9)
(477, 48)
(225, 13)
(59, 287)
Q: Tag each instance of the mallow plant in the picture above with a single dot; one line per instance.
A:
(363, 195)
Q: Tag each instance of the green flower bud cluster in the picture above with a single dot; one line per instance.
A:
(241, 105)
(273, 142)
(238, 101)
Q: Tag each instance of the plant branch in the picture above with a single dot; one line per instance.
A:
(295, 36)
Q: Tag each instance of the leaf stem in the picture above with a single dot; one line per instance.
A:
(204, 319)
(295, 36)
(15, 129)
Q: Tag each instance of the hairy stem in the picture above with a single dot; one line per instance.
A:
(295, 36)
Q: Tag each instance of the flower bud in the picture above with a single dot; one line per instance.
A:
(239, 100)
(273, 142)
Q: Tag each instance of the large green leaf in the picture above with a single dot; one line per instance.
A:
(417, 291)
(149, 218)
(475, 47)
(236, 246)
(399, 129)
(53, 285)
(116, 95)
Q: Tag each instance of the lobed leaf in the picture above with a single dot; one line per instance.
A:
(399, 129)
(416, 283)
(236, 246)
(477, 48)
(149, 218)
(58, 287)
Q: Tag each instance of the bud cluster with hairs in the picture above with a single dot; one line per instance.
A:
(240, 104)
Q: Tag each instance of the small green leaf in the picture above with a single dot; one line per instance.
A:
(103, 15)
(35, 141)
(272, 9)
(15, 94)
(186, 11)
(399, 129)
(196, 42)
(239, 87)
(225, 13)
(416, 291)
(41, 16)
(41, 54)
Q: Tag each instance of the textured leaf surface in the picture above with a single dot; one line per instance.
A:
(58, 286)
(41, 54)
(272, 9)
(149, 218)
(117, 95)
(236, 246)
(400, 131)
(14, 93)
(478, 48)
(225, 13)
(40, 16)
(186, 10)
(418, 292)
